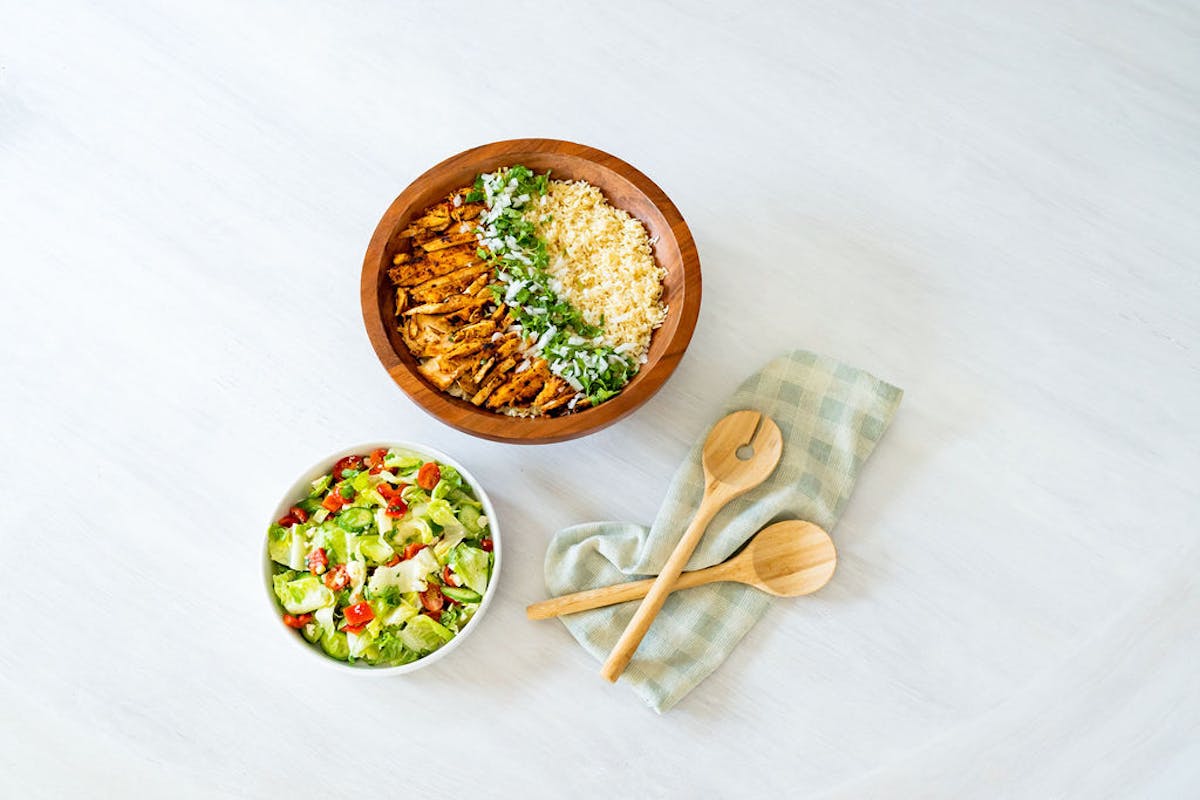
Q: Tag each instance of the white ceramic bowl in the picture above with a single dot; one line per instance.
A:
(301, 488)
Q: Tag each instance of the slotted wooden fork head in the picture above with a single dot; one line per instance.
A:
(742, 449)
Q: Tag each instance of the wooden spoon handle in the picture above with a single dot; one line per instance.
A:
(621, 655)
(618, 593)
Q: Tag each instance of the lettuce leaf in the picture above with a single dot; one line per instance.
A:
(392, 649)
(424, 635)
(407, 576)
(300, 595)
(439, 511)
(375, 549)
(470, 564)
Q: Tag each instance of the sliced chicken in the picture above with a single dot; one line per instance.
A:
(452, 322)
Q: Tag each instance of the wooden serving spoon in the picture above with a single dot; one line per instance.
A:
(787, 559)
(740, 452)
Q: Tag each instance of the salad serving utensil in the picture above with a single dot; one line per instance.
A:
(741, 451)
(787, 559)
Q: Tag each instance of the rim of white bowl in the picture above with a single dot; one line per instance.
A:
(302, 486)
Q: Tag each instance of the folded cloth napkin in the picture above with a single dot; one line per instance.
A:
(831, 416)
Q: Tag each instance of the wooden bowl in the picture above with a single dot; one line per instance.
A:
(625, 188)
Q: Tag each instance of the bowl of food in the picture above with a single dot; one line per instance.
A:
(531, 291)
(381, 558)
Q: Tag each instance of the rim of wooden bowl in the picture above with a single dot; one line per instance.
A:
(674, 249)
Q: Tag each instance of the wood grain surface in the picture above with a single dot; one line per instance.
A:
(990, 203)
(624, 187)
(739, 453)
(788, 559)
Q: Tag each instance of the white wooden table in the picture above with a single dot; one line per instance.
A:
(991, 204)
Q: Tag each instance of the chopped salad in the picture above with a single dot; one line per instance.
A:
(385, 560)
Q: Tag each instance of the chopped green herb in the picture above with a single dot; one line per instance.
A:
(519, 260)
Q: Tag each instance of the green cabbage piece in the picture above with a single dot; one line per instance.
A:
(333, 539)
(449, 483)
(401, 614)
(465, 612)
(300, 595)
(450, 539)
(413, 495)
(450, 475)
(289, 548)
(407, 576)
(424, 635)
(298, 555)
(470, 564)
(439, 511)
(402, 463)
(357, 570)
(412, 529)
(392, 649)
(469, 517)
(279, 545)
(452, 618)
(375, 549)
(361, 643)
(323, 617)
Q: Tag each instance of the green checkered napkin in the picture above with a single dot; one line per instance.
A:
(831, 416)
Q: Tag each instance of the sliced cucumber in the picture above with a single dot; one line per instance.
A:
(355, 519)
(462, 594)
(335, 644)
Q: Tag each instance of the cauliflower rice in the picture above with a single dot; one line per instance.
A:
(602, 262)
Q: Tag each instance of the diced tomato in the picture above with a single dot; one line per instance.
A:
(448, 577)
(413, 549)
(486, 544)
(396, 510)
(376, 457)
(393, 561)
(358, 614)
(343, 464)
(388, 493)
(317, 561)
(299, 513)
(433, 599)
(297, 622)
(354, 628)
(287, 520)
(333, 501)
(429, 475)
(337, 578)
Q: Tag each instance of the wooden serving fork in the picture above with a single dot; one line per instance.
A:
(741, 452)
